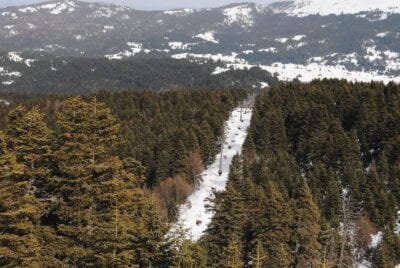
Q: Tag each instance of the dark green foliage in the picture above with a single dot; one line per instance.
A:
(310, 148)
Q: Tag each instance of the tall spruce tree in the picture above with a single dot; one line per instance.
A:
(306, 248)
(103, 214)
(272, 228)
(20, 212)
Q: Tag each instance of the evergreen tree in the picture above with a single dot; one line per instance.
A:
(306, 248)
(20, 212)
(231, 257)
(272, 228)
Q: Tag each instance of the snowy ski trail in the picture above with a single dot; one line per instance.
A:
(193, 215)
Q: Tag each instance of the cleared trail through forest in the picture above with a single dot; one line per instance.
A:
(193, 215)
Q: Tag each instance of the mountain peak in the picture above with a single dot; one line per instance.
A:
(303, 8)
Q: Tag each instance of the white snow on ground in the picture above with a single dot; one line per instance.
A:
(4, 72)
(298, 37)
(193, 215)
(376, 240)
(104, 12)
(14, 56)
(31, 26)
(215, 57)
(180, 45)
(7, 83)
(248, 51)
(219, 70)
(59, 7)
(179, 12)
(107, 28)
(135, 48)
(311, 71)
(241, 14)
(27, 10)
(282, 40)
(270, 49)
(28, 62)
(207, 36)
(315, 68)
(5, 102)
(303, 8)
(382, 34)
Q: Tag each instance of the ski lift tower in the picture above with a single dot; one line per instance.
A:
(220, 157)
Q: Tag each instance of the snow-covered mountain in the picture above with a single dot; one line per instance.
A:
(354, 39)
(337, 7)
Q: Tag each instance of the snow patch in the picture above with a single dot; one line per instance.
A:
(135, 48)
(59, 7)
(215, 57)
(302, 8)
(241, 14)
(207, 36)
(103, 12)
(376, 240)
(28, 10)
(179, 12)
(248, 52)
(14, 56)
(270, 49)
(5, 102)
(220, 70)
(282, 40)
(298, 37)
(381, 35)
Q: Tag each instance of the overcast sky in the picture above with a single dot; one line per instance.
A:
(148, 4)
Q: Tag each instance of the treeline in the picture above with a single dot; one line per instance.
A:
(320, 173)
(82, 187)
(53, 75)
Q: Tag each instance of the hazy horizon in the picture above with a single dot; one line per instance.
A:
(147, 5)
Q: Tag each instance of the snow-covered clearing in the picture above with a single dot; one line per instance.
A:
(208, 36)
(193, 215)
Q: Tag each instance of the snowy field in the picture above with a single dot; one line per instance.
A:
(193, 215)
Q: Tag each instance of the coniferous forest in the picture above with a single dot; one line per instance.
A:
(320, 173)
(95, 180)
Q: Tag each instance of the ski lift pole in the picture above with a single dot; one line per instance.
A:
(220, 160)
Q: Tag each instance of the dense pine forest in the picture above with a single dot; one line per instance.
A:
(95, 180)
(319, 174)
(52, 75)
(82, 184)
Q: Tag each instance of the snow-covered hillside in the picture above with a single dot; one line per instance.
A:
(337, 7)
(193, 216)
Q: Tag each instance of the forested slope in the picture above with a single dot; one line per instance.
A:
(80, 186)
(54, 75)
(320, 173)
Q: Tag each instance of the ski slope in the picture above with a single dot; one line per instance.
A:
(193, 215)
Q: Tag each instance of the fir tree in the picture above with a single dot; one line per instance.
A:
(20, 212)
(272, 227)
(306, 250)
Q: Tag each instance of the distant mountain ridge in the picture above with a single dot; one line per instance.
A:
(303, 39)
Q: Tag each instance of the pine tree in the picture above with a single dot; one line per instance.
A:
(108, 220)
(258, 258)
(272, 228)
(226, 223)
(19, 214)
(231, 257)
(306, 230)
